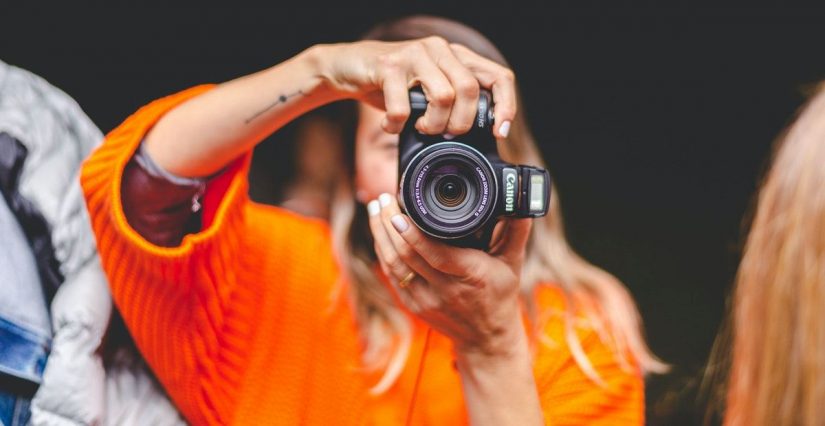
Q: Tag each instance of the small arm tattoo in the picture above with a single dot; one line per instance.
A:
(281, 99)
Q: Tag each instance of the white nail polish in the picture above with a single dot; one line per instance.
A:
(504, 129)
(399, 223)
(448, 136)
(384, 199)
(373, 208)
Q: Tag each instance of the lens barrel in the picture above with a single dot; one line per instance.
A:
(448, 189)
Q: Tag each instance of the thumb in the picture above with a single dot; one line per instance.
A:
(510, 247)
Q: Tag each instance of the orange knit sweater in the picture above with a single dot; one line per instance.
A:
(239, 325)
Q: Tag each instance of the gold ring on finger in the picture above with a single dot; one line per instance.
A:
(405, 282)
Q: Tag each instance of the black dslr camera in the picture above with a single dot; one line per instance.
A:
(455, 190)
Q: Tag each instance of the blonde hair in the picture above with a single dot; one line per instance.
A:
(777, 372)
(385, 329)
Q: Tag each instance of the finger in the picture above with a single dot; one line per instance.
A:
(402, 298)
(396, 102)
(395, 269)
(499, 79)
(497, 238)
(513, 242)
(465, 86)
(456, 261)
(389, 209)
(418, 297)
(440, 96)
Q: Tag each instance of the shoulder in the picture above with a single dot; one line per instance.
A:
(557, 319)
(578, 373)
(561, 317)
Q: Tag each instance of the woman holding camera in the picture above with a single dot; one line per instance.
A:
(241, 309)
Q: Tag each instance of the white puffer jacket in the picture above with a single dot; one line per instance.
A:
(75, 390)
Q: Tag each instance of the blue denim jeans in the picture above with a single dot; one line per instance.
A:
(14, 410)
(22, 359)
(25, 329)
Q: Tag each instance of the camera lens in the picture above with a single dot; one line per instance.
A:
(448, 190)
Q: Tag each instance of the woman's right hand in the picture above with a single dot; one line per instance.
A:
(201, 136)
(381, 73)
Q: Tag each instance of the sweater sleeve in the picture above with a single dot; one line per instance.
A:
(177, 300)
(568, 395)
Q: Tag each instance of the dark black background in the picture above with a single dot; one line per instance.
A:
(657, 121)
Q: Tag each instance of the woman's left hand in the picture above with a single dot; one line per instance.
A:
(469, 295)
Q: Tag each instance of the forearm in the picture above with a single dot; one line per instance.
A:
(201, 136)
(500, 389)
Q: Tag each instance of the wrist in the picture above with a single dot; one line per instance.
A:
(320, 60)
(499, 388)
(504, 344)
(305, 74)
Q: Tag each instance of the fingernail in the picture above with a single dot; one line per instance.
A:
(504, 129)
(449, 136)
(399, 223)
(373, 208)
(384, 199)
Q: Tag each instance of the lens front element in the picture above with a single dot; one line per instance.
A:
(451, 191)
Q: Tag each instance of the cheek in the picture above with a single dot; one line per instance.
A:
(375, 175)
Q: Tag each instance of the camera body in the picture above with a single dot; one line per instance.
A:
(456, 190)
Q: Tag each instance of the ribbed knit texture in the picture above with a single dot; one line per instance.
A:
(239, 325)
